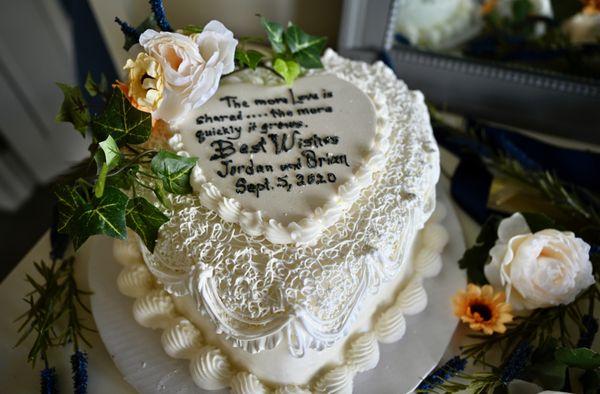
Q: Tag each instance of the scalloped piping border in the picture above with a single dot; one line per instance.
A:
(309, 229)
(211, 369)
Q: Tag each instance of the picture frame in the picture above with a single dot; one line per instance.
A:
(527, 98)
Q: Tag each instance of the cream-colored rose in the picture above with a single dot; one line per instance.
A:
(192, 66)
(145, 85)
(216, 45)
(538, 270)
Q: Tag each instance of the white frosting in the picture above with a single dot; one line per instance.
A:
(154, 309)
(391, 325)
(301, 213)
(135, 280)
(181, 339)
(261, 306)
(246, 383)
(211, 369)
(363, 352)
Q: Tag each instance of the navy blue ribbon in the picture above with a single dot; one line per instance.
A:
(471, 181)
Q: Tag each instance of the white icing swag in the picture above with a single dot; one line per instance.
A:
(211, 369)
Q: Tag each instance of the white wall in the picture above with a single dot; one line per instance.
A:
(35, 52)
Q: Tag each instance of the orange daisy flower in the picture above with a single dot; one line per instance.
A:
(482, 309)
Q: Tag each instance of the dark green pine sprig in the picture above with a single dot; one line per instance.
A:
(54, 319)
(104, 196)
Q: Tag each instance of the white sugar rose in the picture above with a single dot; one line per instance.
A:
(192, 67)
(538, 270)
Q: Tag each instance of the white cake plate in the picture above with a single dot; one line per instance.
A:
(138, 353)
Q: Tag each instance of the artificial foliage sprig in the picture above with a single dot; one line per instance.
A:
(292, 51)
(104, 197)
(53, 317)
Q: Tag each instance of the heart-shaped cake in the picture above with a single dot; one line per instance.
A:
(284, 161)
(295, 288)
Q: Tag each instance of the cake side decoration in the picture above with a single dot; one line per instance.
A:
(211, 368)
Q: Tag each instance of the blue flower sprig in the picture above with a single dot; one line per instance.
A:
(79, 363)
(516, 363)
(158, 9)
(48, 381)
(442, 374)
(128, 30)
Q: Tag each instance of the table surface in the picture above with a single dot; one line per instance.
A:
(17, 376)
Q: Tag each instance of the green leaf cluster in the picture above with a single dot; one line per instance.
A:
(98, 204)
(74, 109)
(53, 316)
(248, 58)
(295, 44)
(289, 70)
(475, 258)
(293, 50)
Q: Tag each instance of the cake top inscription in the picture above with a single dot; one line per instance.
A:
(283, 151)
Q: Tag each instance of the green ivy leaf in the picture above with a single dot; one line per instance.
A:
(289, 70)
(122, 121)
(274, 34)
(309, 58)
(581, 357)
(94, 88)
(249, 58)
(73, 109)
(112, 154)
(105, 215)
(161, 195)
(90, 85)
(145, 219)
(69, 201)
(174, 171)
(192, 29)
(298, 40)
(123, 179)
(101, 181)
(475, 257)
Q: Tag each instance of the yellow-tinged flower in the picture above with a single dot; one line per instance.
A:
(482, 309)
(488, 6)
(146, 84)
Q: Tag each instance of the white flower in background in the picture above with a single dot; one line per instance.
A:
(538, 270)
(192, 66)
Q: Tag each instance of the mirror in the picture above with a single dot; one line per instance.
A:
(531, 64)
(555, 36)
